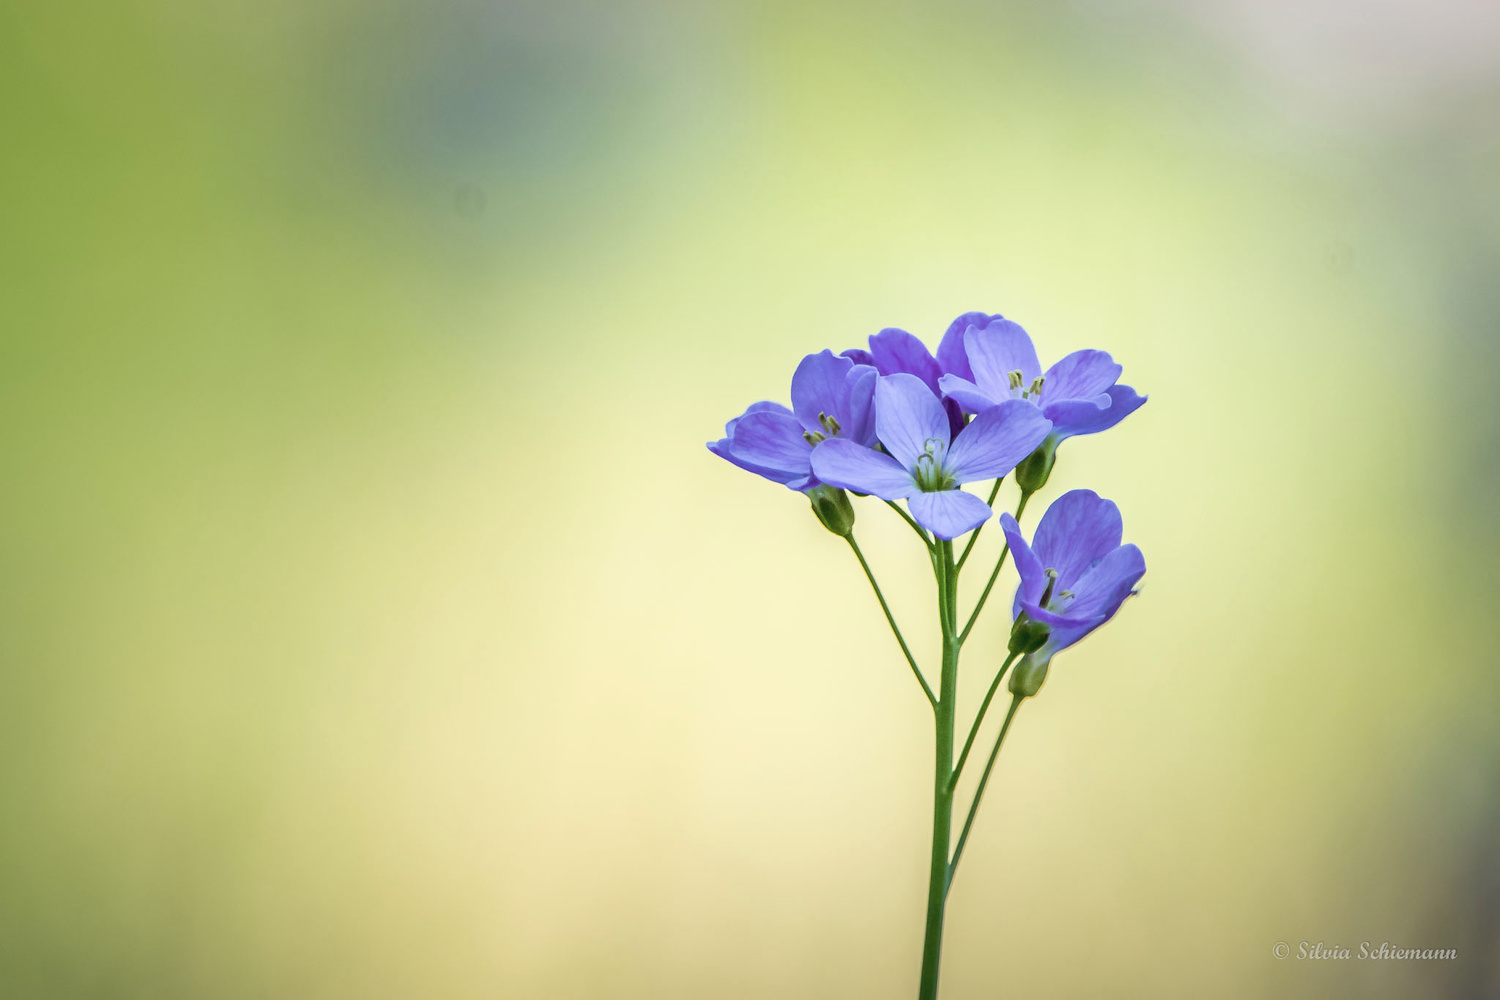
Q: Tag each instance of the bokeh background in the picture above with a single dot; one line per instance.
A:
(374, 623)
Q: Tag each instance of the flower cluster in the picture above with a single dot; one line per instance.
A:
(900, 423)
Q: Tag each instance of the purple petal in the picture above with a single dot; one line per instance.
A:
(818, 386)
(968, 395)
(770, 444)
(1080, 375)
(907, 416)
(1079, 529)
(1079, 420)
(996, 441)
(898, 351)
(1102, 589)
(951, 356)
(754, 408)
(996, 351)
(858, 417)
(859, 356)
(1033, 578)
(842, 463)
(724, 448)
(1125, 567)
(948, 513)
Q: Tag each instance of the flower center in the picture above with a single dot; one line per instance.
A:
(830, 427)
(929, 472)
(1017, 380)
(1050, 602)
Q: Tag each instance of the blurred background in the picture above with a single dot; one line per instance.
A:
(374, 623)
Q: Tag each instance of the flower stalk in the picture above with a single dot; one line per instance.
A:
(900, 424)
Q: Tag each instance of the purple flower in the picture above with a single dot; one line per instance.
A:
(893, 351)
(831, 398)
(921, 464)
(1078, 394)
(1076, 574)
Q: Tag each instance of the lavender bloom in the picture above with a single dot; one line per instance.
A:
(1079, 394)
(1076, 574)
(831, 398)
(893, 351)
(921, 464)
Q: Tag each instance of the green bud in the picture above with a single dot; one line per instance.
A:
(1032, 473)
(833, 508)
(1027, 636)
(1027, 678)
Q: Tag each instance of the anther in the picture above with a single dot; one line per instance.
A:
(1016, 378)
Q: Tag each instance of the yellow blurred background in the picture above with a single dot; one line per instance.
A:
(374, 623)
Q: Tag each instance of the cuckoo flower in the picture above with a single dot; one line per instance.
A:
(1075, 574)
(1079, 394)
(893, 350)
(831, 398)
(924, 462)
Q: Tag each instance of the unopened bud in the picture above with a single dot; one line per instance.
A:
(1032, 473)
(1027, 678)
(833, 508)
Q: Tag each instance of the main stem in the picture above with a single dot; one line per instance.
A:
(942, 795)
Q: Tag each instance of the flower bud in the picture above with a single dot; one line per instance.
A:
(1027, 678)
(1034, 470)
(1027, 636)
(833, 508)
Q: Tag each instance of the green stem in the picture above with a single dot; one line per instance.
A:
(975, 536)
(974, 731)
(942, 797)
(891, 620)
(995, 575)
(984, 779)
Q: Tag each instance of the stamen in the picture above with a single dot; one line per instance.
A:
(830, 424)
(1036, 387)
(811, 437)
(1016, 378)
(1051, 582)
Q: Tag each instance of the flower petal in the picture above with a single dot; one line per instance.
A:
(896, 350)
(858, 417)
(1104, 588)
(948, 513)
(724, 448)
(769, 444)
(1125, 566)
(951, 357)
(842, 463)
(1078, 530)
(967, 395)
(997, 350)
(1080, 375)
(1071, 420)
(859, 356)
(997, 440)
(1033, 579)
(907, 416)
(818, 387)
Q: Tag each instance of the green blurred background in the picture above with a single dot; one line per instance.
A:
(374, 623)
